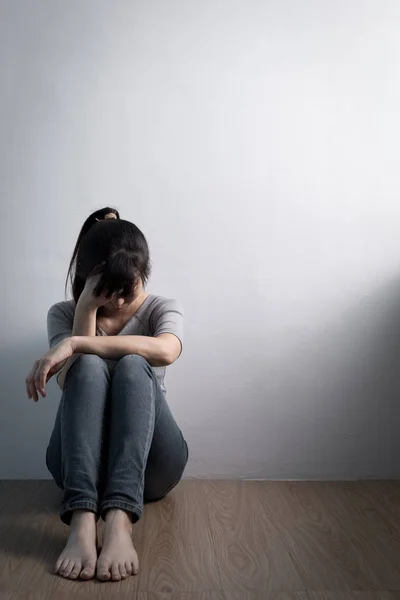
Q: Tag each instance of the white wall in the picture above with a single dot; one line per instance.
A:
(256, 143)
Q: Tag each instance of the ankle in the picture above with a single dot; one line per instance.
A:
(82, 519)
(118, 517)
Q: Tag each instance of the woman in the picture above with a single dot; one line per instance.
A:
(115, 443)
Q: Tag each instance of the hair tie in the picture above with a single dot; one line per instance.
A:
(108, 216)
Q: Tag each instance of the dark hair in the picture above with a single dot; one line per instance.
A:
(114, 248)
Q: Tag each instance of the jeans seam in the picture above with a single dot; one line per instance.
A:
(78, 503)
(140, 487)
(62, 435)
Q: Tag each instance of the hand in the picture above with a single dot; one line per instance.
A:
(44, 368)
(88, 296)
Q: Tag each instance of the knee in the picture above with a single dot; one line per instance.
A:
(133, 365)
(87, 364)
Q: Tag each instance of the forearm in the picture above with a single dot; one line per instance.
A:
(155, 350)
(84, 325)
(84, 319)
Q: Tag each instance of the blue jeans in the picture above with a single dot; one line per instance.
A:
(115, 443)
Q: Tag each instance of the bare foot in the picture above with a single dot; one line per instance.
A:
(118, 558)
(79, 557)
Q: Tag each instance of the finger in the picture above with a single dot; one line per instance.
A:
(55, 369)
(43, 376)
(29, 380)
(39, 380)
(36, 379)
(33, 391)
(50, 374)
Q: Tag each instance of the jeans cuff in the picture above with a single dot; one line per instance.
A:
(129, 506)
(69, 507)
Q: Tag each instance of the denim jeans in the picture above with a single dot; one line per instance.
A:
(115, 443)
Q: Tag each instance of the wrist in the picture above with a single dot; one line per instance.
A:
(86, 304)
(74, 340)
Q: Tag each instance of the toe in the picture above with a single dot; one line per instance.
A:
(64, 567)
(135, 569)
(58, 565)
(122, 571)
(68, 569)
(128, 568)
(103, 572)
(115, 572)
(75, 571)
(88, 570)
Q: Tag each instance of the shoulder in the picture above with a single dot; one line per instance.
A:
(161, 304)
(64, 309)
(161, 310)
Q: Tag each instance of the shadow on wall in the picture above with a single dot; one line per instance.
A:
(333, 401)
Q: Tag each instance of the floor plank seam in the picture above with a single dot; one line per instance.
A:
(212, 538)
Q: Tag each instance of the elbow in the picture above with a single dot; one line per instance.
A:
(162, 359)
(165, 351)
(167, 358)
(172, 351)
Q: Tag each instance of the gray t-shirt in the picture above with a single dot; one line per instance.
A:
(155, 316)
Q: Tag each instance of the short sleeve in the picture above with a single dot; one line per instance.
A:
(168, 317)
(60, 322)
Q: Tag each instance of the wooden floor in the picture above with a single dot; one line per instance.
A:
(221, 540)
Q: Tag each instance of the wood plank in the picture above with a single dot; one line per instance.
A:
(178, 552)
(177, 596)
(325, 550)
(220, 540)
(15, 496)
(222, 595)
(28, 539)
(260, 595)
(252, 553)
(371, 522)
(353, 595)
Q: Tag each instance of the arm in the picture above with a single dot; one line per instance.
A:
(161, 348)
(159, 351)
(62, 322)
(83, 322)
(84, 325)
